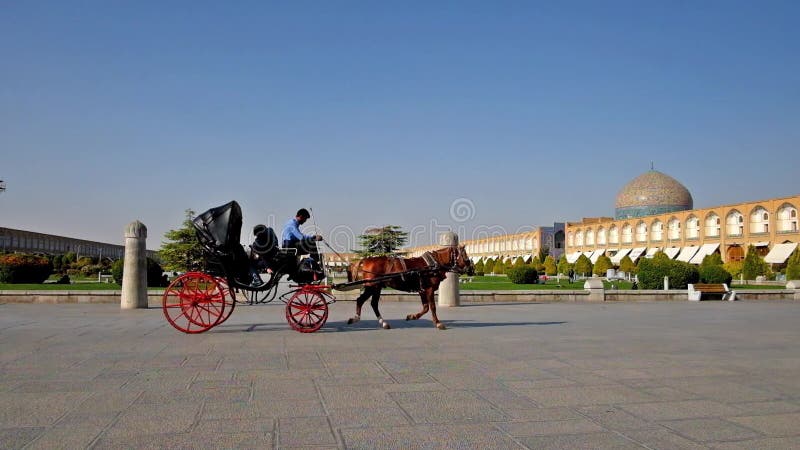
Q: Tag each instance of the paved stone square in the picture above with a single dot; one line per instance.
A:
(668, 375)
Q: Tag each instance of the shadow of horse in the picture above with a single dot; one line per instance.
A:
(374, 325)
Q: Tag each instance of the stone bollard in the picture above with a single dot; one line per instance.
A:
(134, 274)
(794, 285)
(666, 283)
(597, 293)
(448, 289)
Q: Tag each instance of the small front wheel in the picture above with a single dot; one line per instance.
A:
(306, 311)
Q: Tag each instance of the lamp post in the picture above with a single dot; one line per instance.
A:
(2, 185)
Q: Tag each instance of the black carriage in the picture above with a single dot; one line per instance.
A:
(199, 300)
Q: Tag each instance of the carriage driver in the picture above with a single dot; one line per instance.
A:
(292, 237)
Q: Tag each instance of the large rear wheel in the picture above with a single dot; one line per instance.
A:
(306, 311)
(194, 302)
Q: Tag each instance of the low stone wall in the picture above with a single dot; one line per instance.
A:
(537, 296)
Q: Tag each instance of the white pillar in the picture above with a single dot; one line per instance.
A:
(448, 289)
(597, 292)
(134, 274)
(666, 283)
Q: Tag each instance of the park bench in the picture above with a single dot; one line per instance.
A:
(699, 292)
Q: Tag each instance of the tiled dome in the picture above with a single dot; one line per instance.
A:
(652, 193)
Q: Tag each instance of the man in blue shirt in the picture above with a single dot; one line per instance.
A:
(292, 237)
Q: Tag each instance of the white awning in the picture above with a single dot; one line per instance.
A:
(572, 257)
(636, 253)
(612, 249)
(527, 258)
(672, 252)
(475, 259)
(652, 252)
(588, 254)
(780, 253)
(597, 254)
(687, 253)
(619, 255)
(704, 251)
(761, 244)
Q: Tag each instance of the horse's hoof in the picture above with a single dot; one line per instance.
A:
(352, 320)
(441, 326)
(409, 317)
(386, 326)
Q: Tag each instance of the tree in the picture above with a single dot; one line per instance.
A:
(753, 265)
(489, 266)
(626, 265)
(583, 266)
(602, 265)
(563, 265)
(550, 267)
(382, 241)
(519, 262)
(183, 251)
(544, 251)
(500, 267)
(712, 271)
(793, 266)
(479, 267)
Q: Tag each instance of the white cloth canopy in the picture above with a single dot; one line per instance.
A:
(780, 253)
(704, 251)
(672, 252)
(636, 253)
(652, 251)
(687, 253)
(572, 257)
(619, 255)
(596, 254)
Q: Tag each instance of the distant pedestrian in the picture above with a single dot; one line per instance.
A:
(571, 275)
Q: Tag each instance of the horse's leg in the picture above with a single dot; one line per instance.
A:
(376, 296)
(432, 303)
(422, 297)
(359, 303)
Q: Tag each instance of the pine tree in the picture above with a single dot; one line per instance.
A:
(544, 251)
(382, 241)
(583, 266)
(182, 252)
(489, 266)
(563, 266)
(602, 265)
(550, 268)
(626, 265)
(754, 265)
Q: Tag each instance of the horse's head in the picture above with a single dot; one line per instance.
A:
(455, 259)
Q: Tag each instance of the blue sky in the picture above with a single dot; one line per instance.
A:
(378, 113)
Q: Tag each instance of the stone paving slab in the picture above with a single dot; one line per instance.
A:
(674, 375)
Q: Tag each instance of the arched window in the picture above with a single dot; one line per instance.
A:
(641, 232)
(787, 218)
(601, 236)
(657, 231)
(590, 237)
(674, 229)
(613, 235)
(759, 220)
(579, 238)
(712, 225)
(627, 234)
(734, 223)
(570, 239)
(692, 227)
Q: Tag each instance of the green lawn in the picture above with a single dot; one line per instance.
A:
(501, 283)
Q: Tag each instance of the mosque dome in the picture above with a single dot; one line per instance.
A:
(652, 193)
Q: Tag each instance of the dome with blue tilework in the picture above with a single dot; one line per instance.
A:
(652, 193)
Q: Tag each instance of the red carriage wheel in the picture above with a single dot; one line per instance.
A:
(229, 297)
(306, 311)
(194, 302)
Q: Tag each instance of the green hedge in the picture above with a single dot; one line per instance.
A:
(22, 268)
(523, 275)
(651, 273)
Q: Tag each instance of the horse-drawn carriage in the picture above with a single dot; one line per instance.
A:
(199, 300)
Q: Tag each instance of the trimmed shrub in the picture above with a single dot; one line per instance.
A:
(734, 268)
(583, 266)
(793, 266)
(523, 275)
(602, 265)
(489, 266)
(754, 265)
(626, 265)
(116, 270)
(651, 273)
(479, 267)
(550, 266)
(22, 268)
(715, 274)
(479, 273)
(563, 265)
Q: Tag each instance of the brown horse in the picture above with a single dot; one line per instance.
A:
(421, 274)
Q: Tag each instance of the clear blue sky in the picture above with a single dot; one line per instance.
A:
(378, 113)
